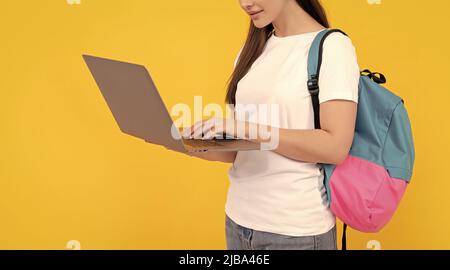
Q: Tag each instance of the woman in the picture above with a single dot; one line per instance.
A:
(277, 199)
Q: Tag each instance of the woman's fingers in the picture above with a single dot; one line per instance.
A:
(209, 135)
(186, 134)
(197, 129)
(207, 129)
(213, 128)
(189, 132)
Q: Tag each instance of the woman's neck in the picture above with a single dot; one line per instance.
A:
(293, 20)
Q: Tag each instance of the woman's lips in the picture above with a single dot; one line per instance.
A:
(255, 15)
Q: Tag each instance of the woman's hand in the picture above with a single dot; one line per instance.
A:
(216, 127)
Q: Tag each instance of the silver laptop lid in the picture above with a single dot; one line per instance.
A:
(134, 101)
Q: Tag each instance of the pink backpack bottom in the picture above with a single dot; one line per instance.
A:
(363, 195)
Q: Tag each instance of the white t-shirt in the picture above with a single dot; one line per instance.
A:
(269, 192)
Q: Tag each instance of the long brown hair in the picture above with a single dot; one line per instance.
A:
(256, 40)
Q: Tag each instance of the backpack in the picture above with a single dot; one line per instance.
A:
(365, 190)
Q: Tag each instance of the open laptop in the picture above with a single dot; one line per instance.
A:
(139, 110)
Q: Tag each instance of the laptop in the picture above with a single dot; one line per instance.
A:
(139, 110)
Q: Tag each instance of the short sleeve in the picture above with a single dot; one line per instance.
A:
(237, 57)
(339, 73)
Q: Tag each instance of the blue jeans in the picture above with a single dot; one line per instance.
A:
(242, 238)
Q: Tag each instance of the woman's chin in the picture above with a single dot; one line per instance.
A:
(260, 24)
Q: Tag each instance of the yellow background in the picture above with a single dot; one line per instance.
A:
(67, 173)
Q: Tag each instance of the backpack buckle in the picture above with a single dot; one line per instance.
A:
(313, 85)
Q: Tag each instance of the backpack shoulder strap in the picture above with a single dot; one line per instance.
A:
(314, 64)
